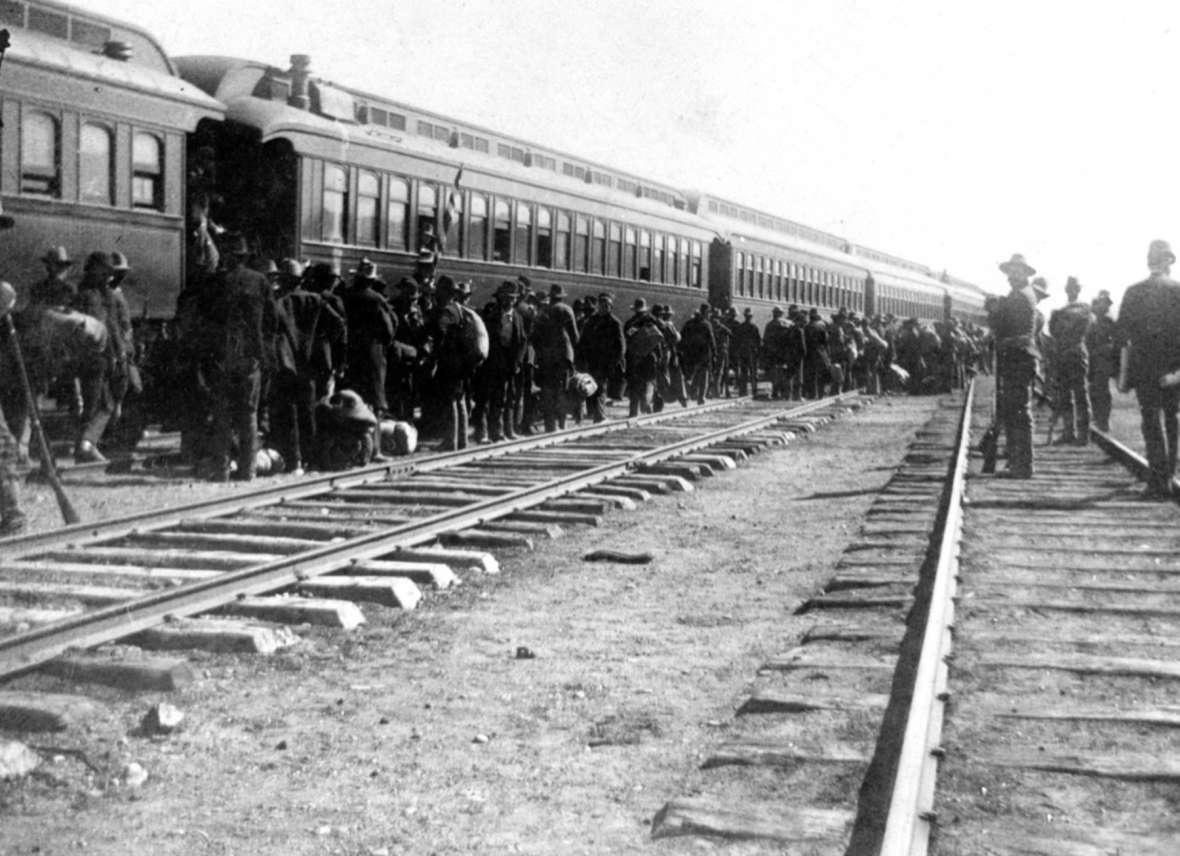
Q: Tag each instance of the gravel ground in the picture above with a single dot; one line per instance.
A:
(421, 733)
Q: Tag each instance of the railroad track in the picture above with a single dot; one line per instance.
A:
(1048, 729)
(374, 534)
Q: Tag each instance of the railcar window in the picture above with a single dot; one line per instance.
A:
(628, 253)
(657, 261)
(12, 13)
(147, 172)
(368, 220)
(501, 231)
(454, 232)
(524, 233)
(614, 249)
(598, 247)
(398, 215)
(427, 211)
(335, 206)
(544, 238)
(644, 262)
(581, 243)
(477, 238)
(425, 129)
(90, 35)
(95, 164)
(50, 23)
(685, 273)
(40, 156)
(741, 273)
(561, 247)
(697, 256)
(442, 134)
(762, 276)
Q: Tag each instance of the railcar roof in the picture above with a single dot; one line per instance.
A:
(45, 52)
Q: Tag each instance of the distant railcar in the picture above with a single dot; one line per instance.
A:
(93, 147)
(301, 174)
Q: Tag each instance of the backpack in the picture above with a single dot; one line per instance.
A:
(473, 339)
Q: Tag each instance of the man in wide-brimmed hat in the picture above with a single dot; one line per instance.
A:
(602, 349)
(371, 328)
(54, 289)
(1149, 318)
(555, 336)
(1070, 326)
(1102, 345)
(1013, 321)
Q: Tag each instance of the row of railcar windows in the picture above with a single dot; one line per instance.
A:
(769, 278)
(497, 229)
(41, 162)
(895, 301)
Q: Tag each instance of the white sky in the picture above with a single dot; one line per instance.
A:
(951, 133)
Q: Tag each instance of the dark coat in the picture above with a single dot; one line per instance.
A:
(555, 335)
(318, 330)
(1013, 321)
(697, 343)
(1148, 319)
(243, 313)
(746, 341)
(507, 341)
(603, 344)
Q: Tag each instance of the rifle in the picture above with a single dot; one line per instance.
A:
(47, 464)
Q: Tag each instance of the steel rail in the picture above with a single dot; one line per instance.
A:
(1128, 457)
(24, 651)
(908, 825)
(314, 485)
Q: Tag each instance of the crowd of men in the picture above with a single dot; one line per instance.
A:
(260, 350)
(1070, 359)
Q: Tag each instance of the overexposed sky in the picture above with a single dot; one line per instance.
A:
(951, 133)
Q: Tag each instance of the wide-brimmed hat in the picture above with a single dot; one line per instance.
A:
(291, 268)
(1161, 248)
(98, 261)
(556, 290)
(57, 256)
(1040, 287)
(445, 285)
(507, 287)
(640, 305)
(119, 262)
(1103, 297)
(1017, 262)
(366, 270)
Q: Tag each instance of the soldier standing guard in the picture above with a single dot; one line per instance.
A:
(1013, 323)
(1148, 320)
(1069, 327)
(1102, 345)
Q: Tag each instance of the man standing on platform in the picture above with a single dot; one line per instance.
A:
(601, 350)
(1069, 327)
(1013, 322)
(1148, 320)
(698, 347)
(1102, 345)
(745, 347)
(555, 338)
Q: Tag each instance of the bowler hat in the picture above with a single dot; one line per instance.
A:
(749, 313)
(1017, 262)
(57, 256)
(507, 287)
(777, 312)
(706, 308)
(606, 297)
(445, 285)
(640, 305)
(1158, 249)
(556, 290)
(119, 262)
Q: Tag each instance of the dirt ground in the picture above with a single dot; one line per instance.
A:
(423, 733)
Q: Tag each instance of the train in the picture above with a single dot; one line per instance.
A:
(108, 142)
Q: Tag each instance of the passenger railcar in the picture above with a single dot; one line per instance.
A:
(92, 150)
(330, 174)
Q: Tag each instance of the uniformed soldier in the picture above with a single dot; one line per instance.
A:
(371, 330)
(103, 379)
(54, 289)
(1102, 343)
(698, 348)
(601, 351)
(775, 353)
(1070, 326)
(451, 375)
(555, 338)
(243, 312)
(1148, 320)
(1013, 323)
(507, 345)
(745, 346)
(817, 362)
